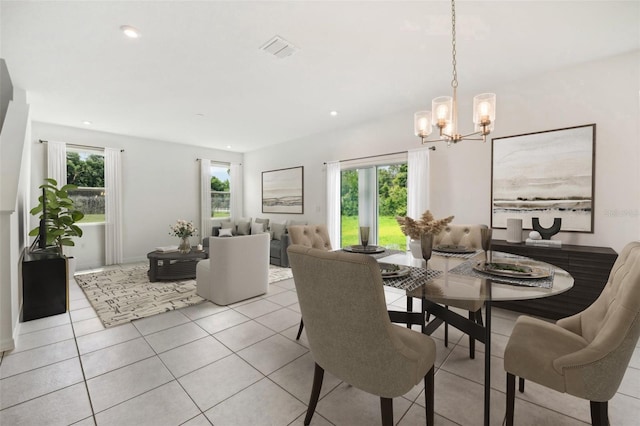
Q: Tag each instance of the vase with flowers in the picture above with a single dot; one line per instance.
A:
(183, 229)
(421, 232)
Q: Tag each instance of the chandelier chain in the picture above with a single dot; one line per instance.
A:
(454, 82)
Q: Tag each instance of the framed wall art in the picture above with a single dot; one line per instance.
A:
(283, 191)
(548, 175)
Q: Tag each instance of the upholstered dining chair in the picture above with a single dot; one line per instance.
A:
(468, 236)
(315, 236)
(587, 354)
(349, 331)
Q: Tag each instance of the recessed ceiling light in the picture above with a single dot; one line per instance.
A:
(228, 146)
(87, 123)
(129, 31)
(199, 114)
(333, 113)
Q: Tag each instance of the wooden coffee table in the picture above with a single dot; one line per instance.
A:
(174, 265)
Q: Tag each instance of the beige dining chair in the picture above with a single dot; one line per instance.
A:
(349, 331)
(315, 236)
(587, 354)
(468, 236)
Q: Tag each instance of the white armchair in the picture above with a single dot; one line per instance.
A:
(237, 269)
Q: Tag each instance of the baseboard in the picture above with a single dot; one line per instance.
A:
(10, 344)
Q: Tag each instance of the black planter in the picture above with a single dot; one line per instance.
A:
(44, 284)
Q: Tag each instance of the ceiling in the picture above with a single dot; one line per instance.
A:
(196, 74)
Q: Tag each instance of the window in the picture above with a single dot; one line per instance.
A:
(373, 196)
(85, 169)
(220, 191)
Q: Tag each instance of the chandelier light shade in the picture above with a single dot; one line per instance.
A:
(444, 109)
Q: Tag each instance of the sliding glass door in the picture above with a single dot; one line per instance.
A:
(373, 196)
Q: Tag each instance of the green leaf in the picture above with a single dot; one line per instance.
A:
(51, 181)
(37, 209)
(34, 232)
(67, 242)
(69, 187)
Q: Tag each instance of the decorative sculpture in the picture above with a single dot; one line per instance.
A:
(547, 233)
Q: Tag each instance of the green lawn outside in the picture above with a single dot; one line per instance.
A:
(92, 218)
(389, 232)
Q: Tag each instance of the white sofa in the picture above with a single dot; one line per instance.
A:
(237, 269)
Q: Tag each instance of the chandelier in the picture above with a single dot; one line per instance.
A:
(444, 109)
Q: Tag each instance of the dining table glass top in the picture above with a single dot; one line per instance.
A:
(460, 279)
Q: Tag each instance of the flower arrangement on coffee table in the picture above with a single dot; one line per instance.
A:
(183, 229)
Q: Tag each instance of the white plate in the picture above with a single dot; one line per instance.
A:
(508, 269)
(390, 270)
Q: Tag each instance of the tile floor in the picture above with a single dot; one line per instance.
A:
(240, 365)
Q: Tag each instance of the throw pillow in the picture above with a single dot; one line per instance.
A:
(265, 222)
(243, 228)
(229, 225)
(257, 228)
(278, 230)
(225, 232)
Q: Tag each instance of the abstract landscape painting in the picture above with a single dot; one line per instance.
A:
(546, 175)
(282, 191)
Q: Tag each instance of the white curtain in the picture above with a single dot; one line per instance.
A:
(57, 162)
(417, 182)
(333, 203)
(205, 198)
(113, 206)
(235, 187)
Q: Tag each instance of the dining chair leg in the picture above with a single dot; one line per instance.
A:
(520, 384)
(386, 408)
(472, 342)
(428, 397)
(446, 331)
(318, 375)
(511, 397)
(599, 413)
(300, 329)
(409, 307)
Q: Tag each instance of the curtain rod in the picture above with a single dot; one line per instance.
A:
(75, 145)
(431, 148)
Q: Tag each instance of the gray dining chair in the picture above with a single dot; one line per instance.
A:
(316, 236)
(349, 331)
(587, 354)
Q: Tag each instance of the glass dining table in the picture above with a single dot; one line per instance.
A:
(468, 277)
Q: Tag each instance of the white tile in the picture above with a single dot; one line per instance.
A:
(159, 322)
(62, 407)
(297, 378)
(173, 337)
(280, 320)
(216, 382)
(272, 353)
(347, 405)
(624, 410)
(459, 363)
(86, 422)
(292, 332)
(418, 416)
(83, 314)
(166, 405)
(257, 308)
(316, 420)
(221, 321)
(273, 290)
(200, 420)
(74, 305)
(243, 335)
(635, 358)
(270, 405)
(44, 323)
(116, 356)
(202, 310)
(557, 401)
(194, 355)
(120, 385)
(38, 357)
(286, 284)
(43, 337)
(38, 382)
(528, 414)
(107, 337)
(630, 385)
(85, 327)
(286, 298)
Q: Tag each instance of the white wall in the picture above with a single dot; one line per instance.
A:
(603, 92)
(161, 184)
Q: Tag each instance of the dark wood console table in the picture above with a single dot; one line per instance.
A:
(589, 266)
(174, 265)
(44, 284)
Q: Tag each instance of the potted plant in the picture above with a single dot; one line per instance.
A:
(59, 216)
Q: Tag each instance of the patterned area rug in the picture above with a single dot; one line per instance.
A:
(125, 294)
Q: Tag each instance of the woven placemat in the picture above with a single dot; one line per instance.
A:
(466, 268)
(415, 278)
(458, 255)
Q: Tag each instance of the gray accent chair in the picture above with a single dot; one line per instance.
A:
(587, 354)
(349, 331)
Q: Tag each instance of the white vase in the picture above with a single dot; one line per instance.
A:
(415, 247)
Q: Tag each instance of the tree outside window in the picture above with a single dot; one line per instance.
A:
(220, 191)
(86, 170)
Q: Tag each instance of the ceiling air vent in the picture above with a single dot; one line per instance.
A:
(279, 47)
